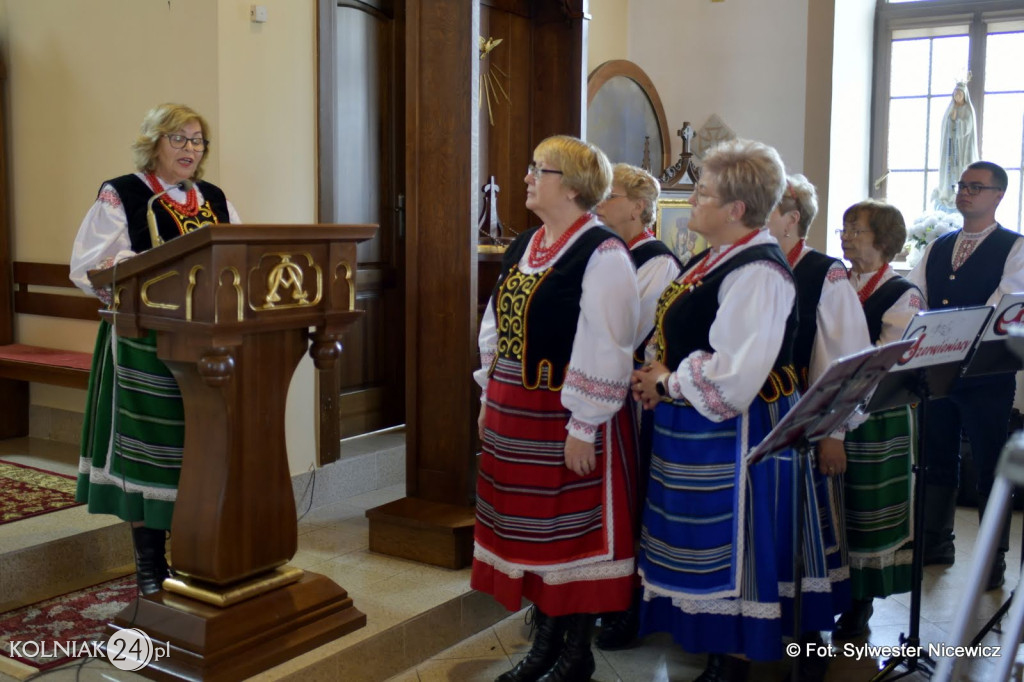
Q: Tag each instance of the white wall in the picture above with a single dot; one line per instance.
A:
(745, 60)
(608, 33)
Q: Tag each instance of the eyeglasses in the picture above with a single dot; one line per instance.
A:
(850, 234)
(178, 142)
(537, 172)
(700, 193)
(972, 189)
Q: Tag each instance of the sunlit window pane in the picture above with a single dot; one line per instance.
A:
(1003, 56)
(1004, 127)
(1008, 212)
(949, 63)
(933, 183)
(906, 192)
(907, 133)
(909, 68)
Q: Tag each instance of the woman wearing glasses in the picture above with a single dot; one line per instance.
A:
(131, 450)
(717, 546)
(629, 211)
(880, 452)
(554, 512)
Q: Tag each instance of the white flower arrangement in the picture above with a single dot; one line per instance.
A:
(927, 228)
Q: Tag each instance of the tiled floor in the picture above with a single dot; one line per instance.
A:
(410, 607)
(498, 648)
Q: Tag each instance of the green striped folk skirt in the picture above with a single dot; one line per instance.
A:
(878, 486)
(133, 434)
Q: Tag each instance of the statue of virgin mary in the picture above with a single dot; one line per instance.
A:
(958, 146)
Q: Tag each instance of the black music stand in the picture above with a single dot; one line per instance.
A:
(1009, 474)
(826, 406)
(921, 377)
(995, 356)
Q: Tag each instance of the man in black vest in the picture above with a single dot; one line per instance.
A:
(972, 266)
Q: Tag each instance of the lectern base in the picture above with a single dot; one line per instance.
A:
(213, 644)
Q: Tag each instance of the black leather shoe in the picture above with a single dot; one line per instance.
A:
(150, 559)
(939, 553)
(723, 668)
(547, 647)
(576, 664)
(619, 630)
(854, 621)
(997, 577)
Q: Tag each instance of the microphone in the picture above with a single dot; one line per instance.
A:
(154, 234)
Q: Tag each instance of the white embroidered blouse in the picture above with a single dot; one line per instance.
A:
(754, 302)
(652, 277)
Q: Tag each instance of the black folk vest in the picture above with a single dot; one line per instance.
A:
(810, 273)
(537, 314)
(134, 193)
(883, 298)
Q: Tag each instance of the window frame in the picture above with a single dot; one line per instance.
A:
(891, 17)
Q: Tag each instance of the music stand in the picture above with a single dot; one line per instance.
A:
(943, 339)
(826, 406)
(994, 355)
(1009, 473)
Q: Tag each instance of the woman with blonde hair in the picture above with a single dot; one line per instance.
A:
(134, 428)
(556, 485)
(717, 546)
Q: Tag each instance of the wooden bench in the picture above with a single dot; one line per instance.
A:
(21, 364)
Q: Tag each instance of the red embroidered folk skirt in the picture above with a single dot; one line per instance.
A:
(562, 541)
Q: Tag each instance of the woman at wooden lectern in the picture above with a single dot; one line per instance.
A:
(133, 434)
(554, 512)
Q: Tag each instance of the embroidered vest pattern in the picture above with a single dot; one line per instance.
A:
(665, 301)
(510, 307)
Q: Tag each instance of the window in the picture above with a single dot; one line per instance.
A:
(924, 48)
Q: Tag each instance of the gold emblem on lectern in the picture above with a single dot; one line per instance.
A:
(288, 282)
(288, 275)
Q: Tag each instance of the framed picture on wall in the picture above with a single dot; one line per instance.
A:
(672, 226)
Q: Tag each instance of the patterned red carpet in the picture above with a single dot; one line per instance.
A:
(26, 491)
(53, 632)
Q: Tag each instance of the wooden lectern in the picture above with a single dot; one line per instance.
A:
(232, 307)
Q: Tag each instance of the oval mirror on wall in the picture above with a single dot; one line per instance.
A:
(623, 108)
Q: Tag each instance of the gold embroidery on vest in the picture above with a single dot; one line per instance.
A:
(186, 223)
(779, 384)
(668, 297)
(512, 304)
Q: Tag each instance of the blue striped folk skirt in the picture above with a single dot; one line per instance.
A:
(717, 545)
(879, 481)
(133, 434)
(563, 541)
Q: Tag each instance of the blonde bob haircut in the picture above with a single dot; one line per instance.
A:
(639, 185)
(166, 119)
(800, 196)
(585, 168)
(751, 172)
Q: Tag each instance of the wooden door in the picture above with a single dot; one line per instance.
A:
(361, 166)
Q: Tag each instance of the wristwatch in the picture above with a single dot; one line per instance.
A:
(660, 386)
